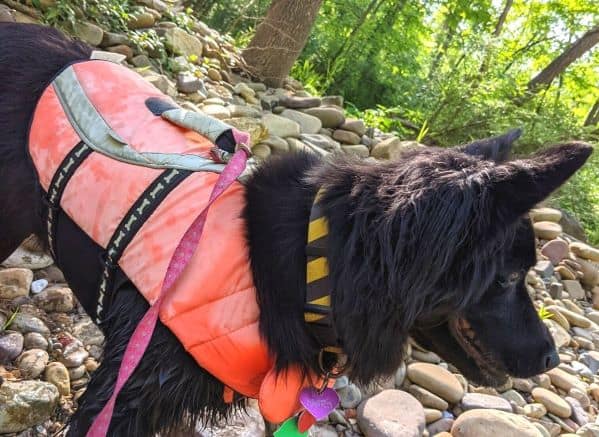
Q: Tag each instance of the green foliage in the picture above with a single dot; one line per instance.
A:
(111, 14)
(544, 314)
(10, 320)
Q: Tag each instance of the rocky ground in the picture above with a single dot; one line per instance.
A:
(49, 347)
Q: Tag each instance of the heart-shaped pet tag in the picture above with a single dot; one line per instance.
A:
(305, 421)
(319, 405)
(289, 429)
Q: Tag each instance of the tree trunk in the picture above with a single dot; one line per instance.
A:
(502, 17)
(593, 117)
(280, 38)
(563, 61)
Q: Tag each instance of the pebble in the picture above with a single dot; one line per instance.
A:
(24, 404)
(513, 396)
(57, 374)
(25, 323)
(357, 150)
(55, 299)
(472, 401)
(11, 345)
(578, 414)
(427, 398)
(585, 251)
(32, 363)
(349, 396)
(38, 285)
(15, 282)
(381, 416)
(346, 137)
(308, 123)
(478, 423)
(432, 415)
(216, 111)
(564, 380)
(28, 259)
(552, 402)
(74, 355)
(437, 380)
(574, 289)
(555, 250)
(322, 141)
(400, 374)
(296, 102)
(591, 360)
(545, 215)
(574, 318)
(535, 410)
(281, 126)
(355, 126)
(547, 230)
(331, 116)
(182, 43)
(35, 340)
(88, 333)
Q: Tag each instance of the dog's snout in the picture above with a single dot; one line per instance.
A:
(550, 360)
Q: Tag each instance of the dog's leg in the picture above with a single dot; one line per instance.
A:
(168, 391)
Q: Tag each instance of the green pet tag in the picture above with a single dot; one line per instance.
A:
(289, 429)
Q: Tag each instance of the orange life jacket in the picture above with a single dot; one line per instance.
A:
(212, 309)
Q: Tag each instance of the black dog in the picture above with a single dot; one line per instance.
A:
(435, 245)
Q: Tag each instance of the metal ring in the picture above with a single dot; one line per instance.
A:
(334, 374)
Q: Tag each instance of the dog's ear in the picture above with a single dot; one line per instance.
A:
(493, 149)
(517, 186)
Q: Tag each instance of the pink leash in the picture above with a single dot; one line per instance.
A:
(143, 332)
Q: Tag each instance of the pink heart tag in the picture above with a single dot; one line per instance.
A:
(319, 405)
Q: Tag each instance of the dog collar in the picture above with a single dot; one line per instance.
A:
(317, 309)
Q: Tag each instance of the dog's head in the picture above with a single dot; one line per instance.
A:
(437, 245)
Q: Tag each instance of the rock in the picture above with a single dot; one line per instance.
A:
(591, 360)
(559, 334)
(400, 374)
(544, 269)
(394, 148)
(122, 49)
(578, 414)
(141, 20)
(254, 126)
(322, 141)
(555, 250)
(157, 5)
(11, 345)
(188, 83)
(308, 123)
(440, 427)
(15, 282)
(38, 286)
(110, 39)
(585, 251)
(35, 340)
(277, 144)
(353, 125)
(557, 316)
(88, 32)
(244, 111)
(437, 380)
(565, 272)
(244, 91)
(74, 354)
(574, 318)
(296, 102)
(332, 101)
(478, 423)
(6, 14)
(432, 415)
(281, 126)
(214, 74)
(524, 385)
(261, 151)
(350, 396)
(590, 273)
(564, 380)
(89, 333)
(472, 401)
(512, 396)
(572, 226)
(76, 372)
(427, 398)
(32, 363)
(55, 298)
(25, 323)
(547, 230)
(26, 259)
(57, 374)
(552, 402)
(580, 396)
(346, 137)
(426, 356)
(141, 61)
(24, 404)
(182, 43)
(358, 150)
(574, 289)
(216, 111)
(163, 83)
(555, 290)
(330, 116)
(391, 413)
(545, 215)
(588, 430)
(535, 410)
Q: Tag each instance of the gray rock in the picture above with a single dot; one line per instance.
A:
(308, 123)
(15, 282)
(588, 430)
(357, 149)
(35, 340)
(244, 111)
(281, 126)
(555, 290)
(32, 363)
(27, 259)
(216, 111)
(11, 345)
(391, 413)
(25, 323)
(322, 141)
(296, 102)
(346, 137)
(188, 83)
(141, 61)
(441, 425)
(88, 32)
(74, 354)
(574, 289)
(330, 116)
(24, 404)
(113, 39)
(332, 101)
(341, 382)
(515, 397)
(544, 268)
(141, 20)
(350, 396)
(355, 126)
(77, 372)
(578, 414)
(6, 14)
(591, 360)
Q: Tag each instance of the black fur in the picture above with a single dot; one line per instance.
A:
(417, 247)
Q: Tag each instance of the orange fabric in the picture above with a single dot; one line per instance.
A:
(213, 309)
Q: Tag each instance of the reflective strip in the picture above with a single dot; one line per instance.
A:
(313, 317)
(95, 132)
(206, 126)
(317, 229)
(317, 269)
(323, 301)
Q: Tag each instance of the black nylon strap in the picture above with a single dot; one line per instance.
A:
(59, 182)
(131, 223)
